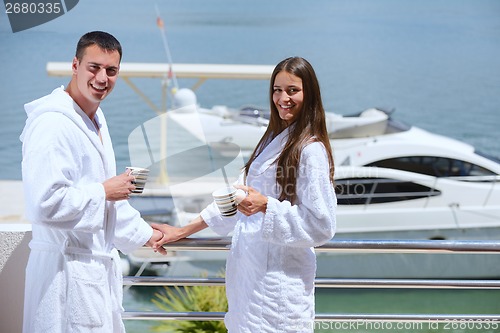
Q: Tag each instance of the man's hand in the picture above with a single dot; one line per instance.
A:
(119, 187)
(157, 236)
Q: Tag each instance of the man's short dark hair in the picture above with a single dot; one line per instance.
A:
(102, 39)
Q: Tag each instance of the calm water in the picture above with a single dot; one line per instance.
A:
(436, 62)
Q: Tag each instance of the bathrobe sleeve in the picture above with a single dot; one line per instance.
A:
(310, 222)
(218, 223)
(57, 195)
(131, 231)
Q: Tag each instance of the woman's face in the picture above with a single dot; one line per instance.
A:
(288, 96)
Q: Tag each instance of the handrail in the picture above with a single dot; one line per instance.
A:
(411, 246)
(341, 245)
(326, 283)
(364, 317)
(365, 246)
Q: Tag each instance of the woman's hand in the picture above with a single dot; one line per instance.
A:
(169, 233)
(253, 203)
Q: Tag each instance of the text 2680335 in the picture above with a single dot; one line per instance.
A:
(33, 8)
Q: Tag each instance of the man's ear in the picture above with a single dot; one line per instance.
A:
(74, 65)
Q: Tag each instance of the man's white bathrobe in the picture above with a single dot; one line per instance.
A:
(73, 279)
(272, 265)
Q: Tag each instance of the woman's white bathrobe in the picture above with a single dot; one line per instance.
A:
(272, 265)
(73, 279)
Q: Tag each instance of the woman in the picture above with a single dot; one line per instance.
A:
(289, 209)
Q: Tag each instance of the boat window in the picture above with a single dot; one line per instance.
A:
(434, 166)
(356, 191)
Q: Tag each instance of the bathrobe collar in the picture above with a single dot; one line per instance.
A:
(59, 101)
(270, 152)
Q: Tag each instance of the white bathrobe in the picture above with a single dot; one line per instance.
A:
(73, 279)
(272, 265)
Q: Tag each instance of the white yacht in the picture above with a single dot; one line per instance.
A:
(409, 179)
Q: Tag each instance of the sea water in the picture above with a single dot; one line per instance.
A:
(435, 63)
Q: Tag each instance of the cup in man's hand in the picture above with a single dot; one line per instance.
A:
(141, 177)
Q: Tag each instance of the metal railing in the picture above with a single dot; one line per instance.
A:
(356, 246)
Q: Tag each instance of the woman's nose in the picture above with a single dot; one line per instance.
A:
(285, 96)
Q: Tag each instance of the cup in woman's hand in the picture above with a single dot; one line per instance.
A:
(141, 177)
(225, 198)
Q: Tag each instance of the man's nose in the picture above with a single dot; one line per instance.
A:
(102, 76)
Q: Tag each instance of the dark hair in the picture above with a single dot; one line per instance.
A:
(310, 126)
(102, 39)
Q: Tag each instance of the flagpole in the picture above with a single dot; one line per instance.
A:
(163, 177)
(161, 26)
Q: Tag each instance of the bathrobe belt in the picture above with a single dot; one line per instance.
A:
(65, 249)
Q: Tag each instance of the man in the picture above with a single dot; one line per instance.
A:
(75, 201)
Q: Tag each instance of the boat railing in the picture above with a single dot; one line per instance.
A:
(454, 321)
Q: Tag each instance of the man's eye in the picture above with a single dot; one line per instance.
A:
(111, 71)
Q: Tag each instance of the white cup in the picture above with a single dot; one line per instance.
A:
(225, 198)
(141, 177)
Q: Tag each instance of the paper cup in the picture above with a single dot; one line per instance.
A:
(225, 198)
(141, 177)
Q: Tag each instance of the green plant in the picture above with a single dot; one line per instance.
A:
(191, 299)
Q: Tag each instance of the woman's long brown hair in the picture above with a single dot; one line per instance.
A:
(309, 126)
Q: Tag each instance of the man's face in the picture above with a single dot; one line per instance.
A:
(96, 73)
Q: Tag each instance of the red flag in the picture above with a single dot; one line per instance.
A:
(159, 22)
